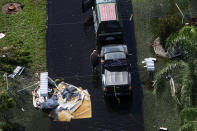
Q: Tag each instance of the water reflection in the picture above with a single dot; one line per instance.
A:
(118, 104)
(96, 79)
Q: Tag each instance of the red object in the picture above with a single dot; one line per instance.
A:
(105, 89)
(107, 12)
(130, 87)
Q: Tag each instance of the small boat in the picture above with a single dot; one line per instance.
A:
(63, 102)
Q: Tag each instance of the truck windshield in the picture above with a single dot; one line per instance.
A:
(116, 65)
(109, 27)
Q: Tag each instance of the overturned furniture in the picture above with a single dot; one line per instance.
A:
(64, 102)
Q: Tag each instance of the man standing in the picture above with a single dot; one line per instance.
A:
(94, 60)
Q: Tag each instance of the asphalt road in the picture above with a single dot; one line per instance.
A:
(68, 50)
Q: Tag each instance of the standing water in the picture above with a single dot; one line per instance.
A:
(68, 50)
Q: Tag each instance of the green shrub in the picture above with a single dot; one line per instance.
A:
(188, 114)
(187, 127)
(14, 56)
(6, 102)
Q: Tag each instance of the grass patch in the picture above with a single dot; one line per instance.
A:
(23, 45)
(28, 29)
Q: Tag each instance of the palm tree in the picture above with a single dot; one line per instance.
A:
(181, 71)
(184, 70)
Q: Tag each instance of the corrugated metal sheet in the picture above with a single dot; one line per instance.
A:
(107, 12)
(44, 84)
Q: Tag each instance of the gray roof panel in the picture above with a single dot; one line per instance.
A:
(115, 56)
(116, 78)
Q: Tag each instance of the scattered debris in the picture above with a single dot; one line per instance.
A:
(12, 8)
(173, 90)
(36, 75)
(183, 16)
(29, 86)
(163, 129)
(52, 82)
(2, 35)
(18, 70)
(149, 63)
(5, 75)
(3, 56)
(64, 101)
(22, 109)
(131, 17)
(159, 50)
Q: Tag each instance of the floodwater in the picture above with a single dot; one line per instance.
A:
(68, 48)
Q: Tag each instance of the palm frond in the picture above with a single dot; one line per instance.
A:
(160, 77)
(185, 41)
(187, 85)
(186, 92)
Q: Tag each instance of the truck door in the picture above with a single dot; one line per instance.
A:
(87, 4)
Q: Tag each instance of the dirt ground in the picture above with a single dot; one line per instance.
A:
(12, 8)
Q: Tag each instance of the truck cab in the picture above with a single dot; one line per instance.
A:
(115, 70)
(106, 19)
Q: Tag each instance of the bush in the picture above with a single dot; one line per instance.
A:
(187, 127)
(14, 56)
(6, 102)
(188, 114)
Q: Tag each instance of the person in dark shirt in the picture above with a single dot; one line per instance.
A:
(94, 60)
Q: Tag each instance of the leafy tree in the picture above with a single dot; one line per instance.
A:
(184, 70)
(179, 69)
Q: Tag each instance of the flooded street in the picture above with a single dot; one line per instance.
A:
(68, 50)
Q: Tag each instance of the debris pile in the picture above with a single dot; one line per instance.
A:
(64, 102)
(18, 70)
